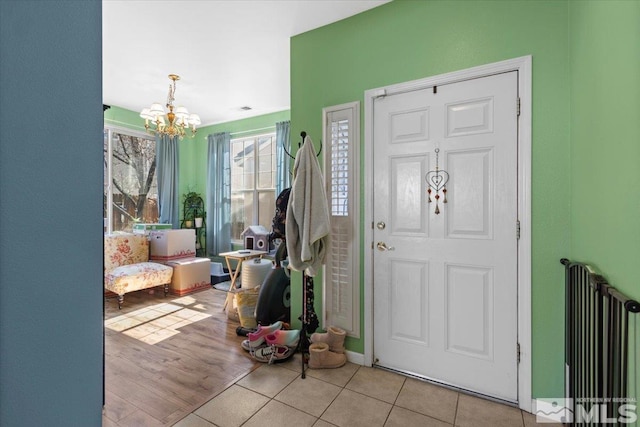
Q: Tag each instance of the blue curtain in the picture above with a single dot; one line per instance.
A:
(218, 194)
(283, 161)
(167, 170)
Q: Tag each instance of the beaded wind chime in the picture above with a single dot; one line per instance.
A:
(437, 182)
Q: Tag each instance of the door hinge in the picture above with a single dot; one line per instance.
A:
(518, 106)
(518, 230)
(518, 351)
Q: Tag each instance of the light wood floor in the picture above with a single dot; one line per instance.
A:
(152, 383)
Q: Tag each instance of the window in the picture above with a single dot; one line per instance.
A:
(253, 175)
(342, 267)
(130, 183)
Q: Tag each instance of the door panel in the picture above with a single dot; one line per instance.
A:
(470, 117)
(469, 307)
(445, 285)
(470, 185)
(410, 291)
(407, 199)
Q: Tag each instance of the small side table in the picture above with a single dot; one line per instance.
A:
(238, 256)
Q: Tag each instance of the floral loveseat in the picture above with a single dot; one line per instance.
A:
(127, 267)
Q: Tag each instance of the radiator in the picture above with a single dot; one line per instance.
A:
(597, 350)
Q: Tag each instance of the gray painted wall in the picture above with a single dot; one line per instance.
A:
(50, 213)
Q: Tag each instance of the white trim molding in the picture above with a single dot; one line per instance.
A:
(523, 66)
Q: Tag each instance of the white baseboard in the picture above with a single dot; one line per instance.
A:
(357, 358)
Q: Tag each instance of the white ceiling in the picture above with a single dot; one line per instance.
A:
(229, 54)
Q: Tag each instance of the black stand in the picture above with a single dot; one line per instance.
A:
(306, 318)
(304, 338)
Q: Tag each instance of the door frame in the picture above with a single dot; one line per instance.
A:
(523, 66)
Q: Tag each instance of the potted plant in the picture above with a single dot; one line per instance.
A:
(188, 219)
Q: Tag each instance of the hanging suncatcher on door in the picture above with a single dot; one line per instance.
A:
(437, 182)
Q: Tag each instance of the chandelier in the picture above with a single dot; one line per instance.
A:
(176, 122)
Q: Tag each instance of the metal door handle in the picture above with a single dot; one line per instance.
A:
(382, 246)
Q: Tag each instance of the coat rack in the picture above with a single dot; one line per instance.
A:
(308, 312)
(303, 134)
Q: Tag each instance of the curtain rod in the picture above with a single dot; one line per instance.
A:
(252, 130)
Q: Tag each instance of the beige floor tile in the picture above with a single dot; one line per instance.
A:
(268, 380)
(338, 376)
(309, 395)
(530, 421)
(192, 420)
(294, 364)
(400, 417)
(477, 412)
(139, 418)
(377, 383)
(428, 399)
(351, 409)
(276, 414)
(323, 423)
(232, 407)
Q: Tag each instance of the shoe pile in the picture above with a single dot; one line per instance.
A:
(269, 344)
(327, 349)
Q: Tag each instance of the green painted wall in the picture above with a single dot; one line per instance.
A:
(605, 142)
(407, 40)
(193, 151)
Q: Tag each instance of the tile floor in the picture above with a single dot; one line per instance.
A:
(351, 396)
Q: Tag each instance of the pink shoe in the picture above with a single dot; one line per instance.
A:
(282, 337)
(256, 339)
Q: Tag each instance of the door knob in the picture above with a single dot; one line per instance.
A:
(381, 225)
(382, 246)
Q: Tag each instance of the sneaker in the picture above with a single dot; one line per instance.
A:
(256, 339)
(282, 337)
(273, 353)
(245, 344)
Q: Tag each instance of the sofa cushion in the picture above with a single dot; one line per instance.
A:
(124, 248)
(133, 277)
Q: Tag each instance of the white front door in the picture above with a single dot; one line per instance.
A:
(445, 286)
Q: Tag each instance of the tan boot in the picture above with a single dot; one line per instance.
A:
(320, 357)
(334, 337)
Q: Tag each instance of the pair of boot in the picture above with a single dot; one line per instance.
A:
(327, 349)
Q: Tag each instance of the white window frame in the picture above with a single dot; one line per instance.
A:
(256, 191)
(345, 316)
(108, 218)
